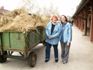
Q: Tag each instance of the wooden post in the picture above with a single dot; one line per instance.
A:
(85, 22)
(91, 27)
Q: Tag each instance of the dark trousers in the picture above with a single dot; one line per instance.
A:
(48, 50)
(65, 51)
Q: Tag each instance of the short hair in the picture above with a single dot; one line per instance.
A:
(51, 18)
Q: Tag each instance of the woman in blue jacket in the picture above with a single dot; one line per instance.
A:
(52, 30)
(66, 38)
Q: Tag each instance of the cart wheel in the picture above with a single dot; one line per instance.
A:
(32, 59)
(3, 57)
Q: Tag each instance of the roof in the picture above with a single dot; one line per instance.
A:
(81, 6)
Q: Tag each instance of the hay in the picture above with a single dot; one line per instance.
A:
(43, 20)
(9, 16)
(20, 21)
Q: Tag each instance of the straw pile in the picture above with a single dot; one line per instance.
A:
(8, 17)
(42, 21)
(20, 21)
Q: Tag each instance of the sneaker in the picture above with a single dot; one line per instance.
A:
(46, 60)
(64, 62)
(56, 60)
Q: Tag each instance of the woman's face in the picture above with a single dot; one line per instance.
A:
(63, 19)
(54, 20)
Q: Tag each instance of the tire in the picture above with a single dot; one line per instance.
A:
(3, 57)
(32, 59)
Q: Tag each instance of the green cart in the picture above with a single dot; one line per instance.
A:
(24, 43)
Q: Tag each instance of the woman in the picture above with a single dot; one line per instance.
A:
(53, 30)
(66, 38)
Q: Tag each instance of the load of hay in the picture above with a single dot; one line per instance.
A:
(20, 21)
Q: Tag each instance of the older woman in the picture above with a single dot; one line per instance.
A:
(66, 38)
(53, 30)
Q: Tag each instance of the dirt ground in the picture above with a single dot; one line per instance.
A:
(81, 57)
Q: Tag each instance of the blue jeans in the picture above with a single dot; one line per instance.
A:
(48, 49)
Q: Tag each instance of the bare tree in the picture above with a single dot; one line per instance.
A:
(44, 10)
(28, 5)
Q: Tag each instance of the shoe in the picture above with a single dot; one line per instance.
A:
(46, 60)
(56, 60)
(64, 62)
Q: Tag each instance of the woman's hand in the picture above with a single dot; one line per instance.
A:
(68, 44)
(50, 37)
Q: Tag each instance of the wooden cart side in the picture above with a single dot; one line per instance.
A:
(13, 41)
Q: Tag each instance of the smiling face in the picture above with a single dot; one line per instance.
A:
(54, 19)
(63, 19)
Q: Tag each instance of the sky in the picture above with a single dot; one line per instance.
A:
(63, 7)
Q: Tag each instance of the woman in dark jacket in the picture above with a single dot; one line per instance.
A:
(52, 30)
